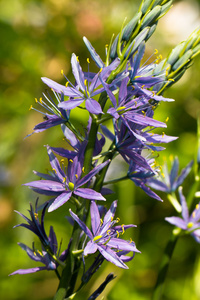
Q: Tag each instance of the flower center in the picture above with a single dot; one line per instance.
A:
(190, 225)
(71, 186)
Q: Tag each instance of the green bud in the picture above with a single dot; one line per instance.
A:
(182, 60)
(151, 16)
(129, 28)
(175, 53)
(145, 6)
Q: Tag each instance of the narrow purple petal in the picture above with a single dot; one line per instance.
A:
(122, 245)
(111, 256)
(90, 248)
(70, 104)
(60, 200)
(27, 271)
(88, 194)
(185, 212)
(93, 106)
(177, 222)
(81, 224)
(46, 185)
(55, 165)
(92, 173)
(77, 71)
(95, 218)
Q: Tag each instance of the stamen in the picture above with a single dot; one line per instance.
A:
(88, 60)
(54, 170)
(76, 176)
(117, 233)
(96, 238)
(36, 216)
(167, 119)
(83, 169)
(122, 228)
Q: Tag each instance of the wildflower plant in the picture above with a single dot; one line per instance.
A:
(125, 92)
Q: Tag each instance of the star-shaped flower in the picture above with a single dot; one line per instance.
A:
(64, 183)
(189, 223)
(104, 236)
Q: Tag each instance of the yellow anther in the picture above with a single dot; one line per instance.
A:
(106, 45)
(54, 170)
(62, 161)
(96, 238)
(193, 214)
(163, 175)
(77, 58)
(190, 225)
(101, 222)
(100, 70)
(83, 169)
(156, 51)
(85, 81)
(34, 253)
(64, 180)
(88, 93)
(36, 100)
(131, 240)
(117, 233)
(71, 186)
(39, 252)
(66, 84)
(88, 60)
(135, 103)
(111, 219)
(197, 206)
(171, 79)
(108, 231)
(166, 73)
(76, 176)
(142, 86)
(122, 228)
(117, 220)
(41, 100)
(71, 160)
(144, 113)
(120, 108)
(171, 157)
(167, 119)
(153, 93)
(61, 72)
(163, 134)
(31, 107)
(36, 216)
(152, 133)
(160, 56)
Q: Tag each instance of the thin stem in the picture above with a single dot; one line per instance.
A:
(158, 291)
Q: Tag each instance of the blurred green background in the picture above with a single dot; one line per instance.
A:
(37, 39)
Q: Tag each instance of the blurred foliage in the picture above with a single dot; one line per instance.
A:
(37, 39)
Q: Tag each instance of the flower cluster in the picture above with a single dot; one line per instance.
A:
(124, 93)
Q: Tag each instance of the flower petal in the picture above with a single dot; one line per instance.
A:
(81, 224)
(60, 200)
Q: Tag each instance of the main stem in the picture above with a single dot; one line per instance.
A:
(158, 291)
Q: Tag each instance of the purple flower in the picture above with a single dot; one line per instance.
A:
(170, 181)
(189, 223)
(50, 258)
(65, 183)
(104, 236)
(84, 90)
(54, 115)
(49, 255)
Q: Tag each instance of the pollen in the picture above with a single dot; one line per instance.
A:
(163, 134)
(117, 233)
(41, 100)
(71, 160)
(66, 84)
(61, 72)
(64, 180)
(36, 100)
(100, 70)
(96, 238)
(85, 81)
(83, 169)
(142, 86)
(71, 186)
(197, 206)
(156, 51)
(76, 176)
(153, 93)
(62, 161)
(36, 216)
(117, 220)
(88, 60)
(190, 225)
(101, 222)
(122, 228)
(167, 119)
(31, 107)
(77, 58)
(54, 170)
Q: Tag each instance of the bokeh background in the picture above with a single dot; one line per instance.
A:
(37, 38)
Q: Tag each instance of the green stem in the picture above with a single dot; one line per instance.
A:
(158, 291)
